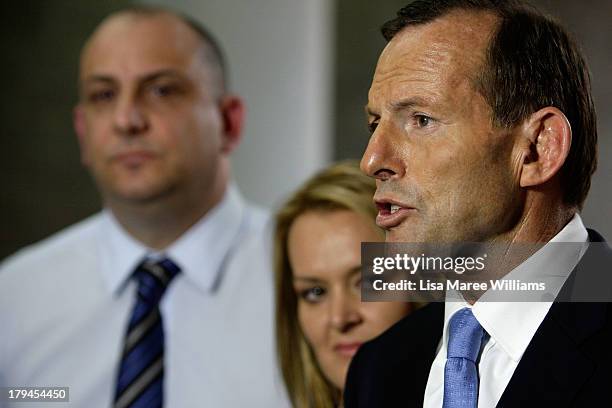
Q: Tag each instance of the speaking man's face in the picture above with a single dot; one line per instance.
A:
(149, 120)
(444, 171)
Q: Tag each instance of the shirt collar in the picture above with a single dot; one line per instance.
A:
(199, 252)
(513, 324)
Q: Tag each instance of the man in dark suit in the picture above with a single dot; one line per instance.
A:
(483, 130)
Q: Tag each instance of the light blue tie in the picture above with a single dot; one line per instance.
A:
(460, 373)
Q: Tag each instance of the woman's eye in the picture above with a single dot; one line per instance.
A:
(313, 294)
(367, 285)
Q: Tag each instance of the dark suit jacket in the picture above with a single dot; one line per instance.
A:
(567, 364)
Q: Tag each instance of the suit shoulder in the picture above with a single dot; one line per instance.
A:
(425, 320)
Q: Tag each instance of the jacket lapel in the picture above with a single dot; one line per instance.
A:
(558, 361)
(418, 353)
(554, 367)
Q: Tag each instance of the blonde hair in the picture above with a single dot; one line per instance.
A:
(339, 187)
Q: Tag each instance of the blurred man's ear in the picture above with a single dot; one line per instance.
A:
(548, 137)
(233, 114)
(78, 122)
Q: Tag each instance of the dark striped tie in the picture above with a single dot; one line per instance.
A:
(141, 373)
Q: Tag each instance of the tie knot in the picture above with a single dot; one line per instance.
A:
(154, 277)
(465, 335)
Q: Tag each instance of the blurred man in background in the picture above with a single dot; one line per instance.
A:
(165, 296)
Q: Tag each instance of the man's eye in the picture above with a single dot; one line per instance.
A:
(372, 126)
(101, 96)
(163, 90)
(312, 295)
(422, 121)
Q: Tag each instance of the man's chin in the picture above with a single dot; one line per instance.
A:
(413, 234)
(137, 195)
(399, 234)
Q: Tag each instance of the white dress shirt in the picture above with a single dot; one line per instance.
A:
(65, 303)
(510, 325)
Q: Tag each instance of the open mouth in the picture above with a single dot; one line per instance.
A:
(388, 208)
(391, 214)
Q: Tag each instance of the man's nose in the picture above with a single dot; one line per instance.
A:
(381, 158)
(344, 311)
(129, 117)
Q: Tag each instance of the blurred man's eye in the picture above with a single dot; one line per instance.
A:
(163, 90)
(103, 95)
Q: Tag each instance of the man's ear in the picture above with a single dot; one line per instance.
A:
(80, 128)
(548, 138)
(233, 114)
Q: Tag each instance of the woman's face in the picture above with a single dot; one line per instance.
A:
(325, 255)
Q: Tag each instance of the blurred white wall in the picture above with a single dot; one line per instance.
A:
(280, 55)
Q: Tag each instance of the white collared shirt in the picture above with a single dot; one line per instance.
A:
(65, 303)
(510, 325)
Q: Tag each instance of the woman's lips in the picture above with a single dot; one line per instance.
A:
(347, 349)
(391, 215)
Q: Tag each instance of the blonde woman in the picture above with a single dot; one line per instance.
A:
(320, 320)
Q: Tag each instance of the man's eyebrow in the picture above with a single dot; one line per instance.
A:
(145, 78)
(370, 112)
(160, 74)
(400, 105)
(408, 103)
(98, 78)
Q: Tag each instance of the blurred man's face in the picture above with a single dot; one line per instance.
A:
(444, 171)
(149, 121)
